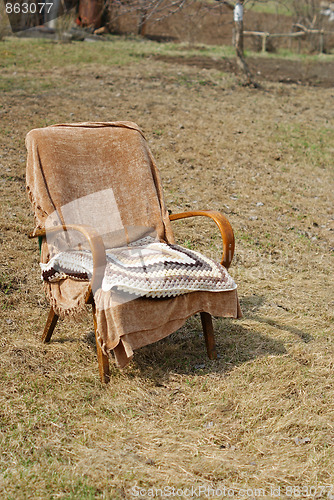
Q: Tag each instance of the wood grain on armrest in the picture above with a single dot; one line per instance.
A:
(224, 226)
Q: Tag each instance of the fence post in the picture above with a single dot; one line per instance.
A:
(322, 42)
(264, 42)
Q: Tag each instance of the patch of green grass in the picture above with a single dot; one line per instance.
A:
(45, 54)
(190, 50)
(246, 237)
(271, 7)
(67, 486)
(117, 51)
(19, 82)
(8, 284)
(308, 141)
(189, 244)
(284, 53)
(159, 133)
(20, 55)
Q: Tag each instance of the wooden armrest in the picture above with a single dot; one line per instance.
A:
(96, 245)
(225, 229)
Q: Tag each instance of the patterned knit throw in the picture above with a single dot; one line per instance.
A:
(146, 268)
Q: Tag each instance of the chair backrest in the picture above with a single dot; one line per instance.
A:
(71, 161)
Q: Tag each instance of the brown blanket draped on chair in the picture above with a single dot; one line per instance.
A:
(69, 161)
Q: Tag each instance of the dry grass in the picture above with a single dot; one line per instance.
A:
(262, 414)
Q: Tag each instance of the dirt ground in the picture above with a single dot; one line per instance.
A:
(261, 415)
(316, 74)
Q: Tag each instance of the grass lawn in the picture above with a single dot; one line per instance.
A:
(260, 418)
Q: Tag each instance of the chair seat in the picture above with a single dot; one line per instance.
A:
(149, 290)
(146, 268)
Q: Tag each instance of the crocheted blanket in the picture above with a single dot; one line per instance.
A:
(146, 269)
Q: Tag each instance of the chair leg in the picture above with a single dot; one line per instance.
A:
(209, 335)
(50, 326)
(101, 357)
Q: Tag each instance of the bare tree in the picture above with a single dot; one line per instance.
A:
(306, 16)
(306, 12)
(144, 10)
(239, 37)
(143, 13)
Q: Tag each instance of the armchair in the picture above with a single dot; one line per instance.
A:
(70, 162)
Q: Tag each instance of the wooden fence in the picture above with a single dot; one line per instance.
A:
(302, 33)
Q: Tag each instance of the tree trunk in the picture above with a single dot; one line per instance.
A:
(142, 24)
(239, 38)
(239, 48)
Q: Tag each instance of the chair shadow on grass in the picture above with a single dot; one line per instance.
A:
(252, 304)
(184, 351)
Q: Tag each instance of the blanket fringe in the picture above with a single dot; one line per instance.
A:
(74, 312)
